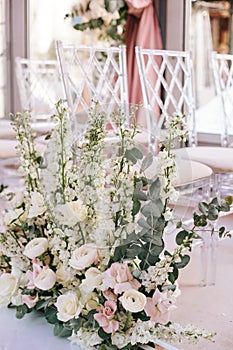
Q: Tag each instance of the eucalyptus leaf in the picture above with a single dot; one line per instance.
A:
(184, 261)
(212, 213)
(61, 331)
(200, 220)
(181, 236)
(154, 239)
(147, 161)
(140, 195)
(155, 189)
(221, 231)
(102, 334)
(51, 315)
(229, 200)
(143, 223)
(133, 154)
(203, 207)
(133, 252)
(172, 276)
(224, 207)
(136, 207)
(152, 209)
(74, 324)
(168, 287)
(21, 311)
(42, 304)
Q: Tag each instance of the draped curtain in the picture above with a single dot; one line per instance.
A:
(142, 29)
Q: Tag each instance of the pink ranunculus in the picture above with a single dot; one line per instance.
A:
(159, 307)
(41, 277)
(46, 279)
(119, 278)
(105, 315)
(29, 300)
(33, 274)
(84, 257)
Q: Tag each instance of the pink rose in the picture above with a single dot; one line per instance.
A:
(29, 300)
(119, 278)
(159, 307)
(109, 295)
(105, 315)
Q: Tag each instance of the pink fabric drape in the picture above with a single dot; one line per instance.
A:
(142, 29)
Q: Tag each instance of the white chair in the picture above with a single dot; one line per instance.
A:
(167, 86)
(40, 87)
(93, 74)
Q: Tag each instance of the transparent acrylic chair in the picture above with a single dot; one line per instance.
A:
(93, 74)
(222, 65)
(40, 87)
(167, 86)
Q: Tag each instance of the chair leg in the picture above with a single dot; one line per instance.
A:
(205, 249)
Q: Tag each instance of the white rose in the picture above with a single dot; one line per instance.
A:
(37, 206)
(90, 301)
(68, 306)
(84, 256)
(133, 301)
(45, 280)
(36, 247)
(93, 280)
(71, 213)
(8, 286)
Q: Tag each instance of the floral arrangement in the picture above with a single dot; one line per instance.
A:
(106, 17)
(83, 243)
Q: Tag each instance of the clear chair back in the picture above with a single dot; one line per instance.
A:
(167, 85)
(40, 86)
(93, 74)
(223, 76)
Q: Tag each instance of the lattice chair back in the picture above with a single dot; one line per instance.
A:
(93, 74)
(167, 85)
(223, 77)
(40, 86)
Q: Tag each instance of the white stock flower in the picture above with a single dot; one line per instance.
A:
(133, 301)
(84, 256)
(71, 213)
(37, 206)
(36, 247)
(68, 306)
(11, 215)
(8, 286)
(45, 280)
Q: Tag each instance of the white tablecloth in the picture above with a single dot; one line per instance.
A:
(35, 333)
(30, 333)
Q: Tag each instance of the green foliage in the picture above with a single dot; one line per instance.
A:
(60, 330)
(51, 314)
(21, 311)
